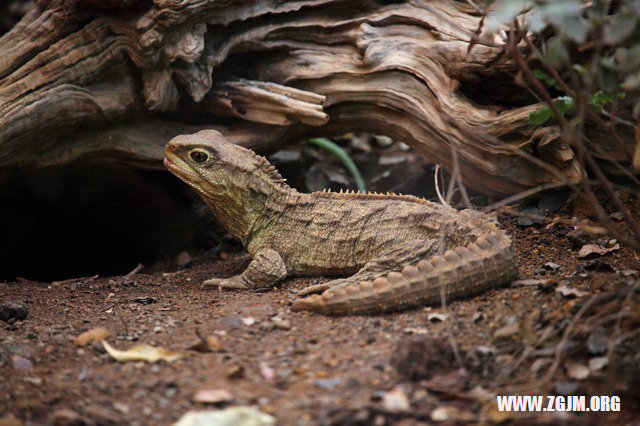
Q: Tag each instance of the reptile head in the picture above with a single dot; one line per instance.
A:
(206, 161)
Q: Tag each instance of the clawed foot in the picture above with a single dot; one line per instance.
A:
(317, 288)
(320, 288)
(234, 283)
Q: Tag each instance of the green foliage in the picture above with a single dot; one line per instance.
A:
(564, 105)
(590, 44)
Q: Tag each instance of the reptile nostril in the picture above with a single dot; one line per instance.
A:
(171, 147)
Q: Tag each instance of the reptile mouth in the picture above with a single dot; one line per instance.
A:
(177, 169)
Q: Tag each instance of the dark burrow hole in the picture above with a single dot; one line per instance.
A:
(80, 220)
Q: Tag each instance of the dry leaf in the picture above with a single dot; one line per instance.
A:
(143, 352)
(576, 370)
(91, 336)
(594, 250)
(571, 292)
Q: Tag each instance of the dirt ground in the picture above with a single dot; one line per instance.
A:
(417, 367)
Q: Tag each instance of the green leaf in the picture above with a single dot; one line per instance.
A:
(563, 104)
(540, 116)
(548, 80)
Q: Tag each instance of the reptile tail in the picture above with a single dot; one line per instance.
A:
(487, 263)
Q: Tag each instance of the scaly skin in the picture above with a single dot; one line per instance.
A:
(396, 251)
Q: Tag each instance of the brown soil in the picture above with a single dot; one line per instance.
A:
(312, 369)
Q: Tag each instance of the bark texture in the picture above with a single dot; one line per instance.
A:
(115, 80)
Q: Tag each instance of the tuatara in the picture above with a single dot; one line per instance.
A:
(394, 251)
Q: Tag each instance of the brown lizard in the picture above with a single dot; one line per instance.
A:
(396, 251)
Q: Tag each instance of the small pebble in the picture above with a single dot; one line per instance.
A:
(13, 310)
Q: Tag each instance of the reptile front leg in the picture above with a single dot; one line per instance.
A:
(265, 270)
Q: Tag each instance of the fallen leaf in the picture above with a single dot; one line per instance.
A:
(91, 336)
(571, 292)
(143, 352)
(507, 331)
(416, 330)
(595, 250)
(436, 317)
(598, 363)
(550, 266)
(21, 363)
(246, 416)
(212, 396)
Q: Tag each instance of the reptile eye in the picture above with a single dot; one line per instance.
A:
(199, 156)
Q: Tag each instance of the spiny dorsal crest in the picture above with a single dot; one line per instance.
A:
(263, 165)
(327, 193)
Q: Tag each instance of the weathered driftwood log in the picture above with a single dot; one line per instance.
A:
(115, 80)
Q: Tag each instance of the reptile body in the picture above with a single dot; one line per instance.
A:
(394, 252)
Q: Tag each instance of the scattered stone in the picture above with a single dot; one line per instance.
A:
(267, 373)
(13, 310)
(246, 416)
(183, 259)
(281, 323)
(65, 417)
(550, 266)
(212, 396)
(383, 141)
(629, 272)
(92, 336)
(576, 370)
(423, 357)
(121, 408)
(145, 300)
(589, 251)
(450, 414)
(477, 317)
(579, 238)
(453, 381)
(231, 322)
(234, 371)
(21, 363)
(327, 383)
(248, 321)
(598, 341)
(617, 216)
(566, 388)
(396, 399)
(597, 265)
